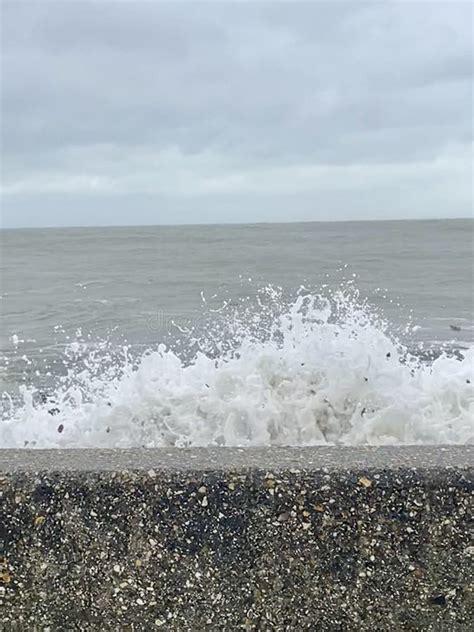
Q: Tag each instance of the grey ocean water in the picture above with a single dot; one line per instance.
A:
(139, 278)
(145, 285)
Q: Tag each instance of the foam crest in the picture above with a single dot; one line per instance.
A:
(304, 371)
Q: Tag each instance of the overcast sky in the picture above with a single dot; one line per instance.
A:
(152, 112)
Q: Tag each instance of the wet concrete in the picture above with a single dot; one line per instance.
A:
(229, 539)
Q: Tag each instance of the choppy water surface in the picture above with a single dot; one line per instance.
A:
(349, 333)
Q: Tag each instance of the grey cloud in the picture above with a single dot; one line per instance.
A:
(257, 85)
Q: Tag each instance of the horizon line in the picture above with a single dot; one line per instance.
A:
(231, 223)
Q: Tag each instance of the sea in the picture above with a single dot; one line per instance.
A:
(342, 333)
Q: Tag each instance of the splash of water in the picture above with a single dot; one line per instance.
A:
(309, 371)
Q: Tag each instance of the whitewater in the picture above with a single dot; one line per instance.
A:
(323, 368)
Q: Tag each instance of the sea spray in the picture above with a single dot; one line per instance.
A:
(276, 370)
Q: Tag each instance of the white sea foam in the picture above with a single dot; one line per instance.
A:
(312, 371)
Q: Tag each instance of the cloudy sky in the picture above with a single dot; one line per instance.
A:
(152, 112)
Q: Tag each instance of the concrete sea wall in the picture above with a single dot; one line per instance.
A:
(237, 539)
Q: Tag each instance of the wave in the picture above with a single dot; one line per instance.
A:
(309, 370)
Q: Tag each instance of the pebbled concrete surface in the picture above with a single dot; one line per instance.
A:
(237, 539)
(202, 459)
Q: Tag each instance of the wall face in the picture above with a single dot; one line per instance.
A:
(276, 539)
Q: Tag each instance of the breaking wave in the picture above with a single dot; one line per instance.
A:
(307, 371)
